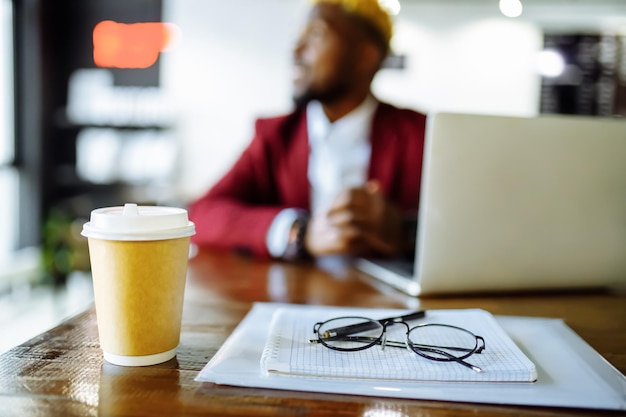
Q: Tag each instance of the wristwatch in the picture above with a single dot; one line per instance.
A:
(295, 242)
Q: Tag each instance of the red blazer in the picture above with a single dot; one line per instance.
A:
(271, 174)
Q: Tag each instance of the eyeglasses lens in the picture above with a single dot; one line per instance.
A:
(350, 333)
(441, 342)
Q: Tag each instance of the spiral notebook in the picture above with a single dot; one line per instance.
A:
(288, 351)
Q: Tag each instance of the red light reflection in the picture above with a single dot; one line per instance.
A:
(134, 45)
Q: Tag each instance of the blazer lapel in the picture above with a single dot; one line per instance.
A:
(385, 150)
(300, 157)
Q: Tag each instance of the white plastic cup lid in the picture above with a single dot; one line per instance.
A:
(133, 222)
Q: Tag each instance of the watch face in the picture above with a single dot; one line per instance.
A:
(295, 244)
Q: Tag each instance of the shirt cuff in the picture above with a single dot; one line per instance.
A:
(278, 234)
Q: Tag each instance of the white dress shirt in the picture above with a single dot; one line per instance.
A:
(339, 155)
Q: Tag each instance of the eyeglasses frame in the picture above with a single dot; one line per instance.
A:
(479, 346)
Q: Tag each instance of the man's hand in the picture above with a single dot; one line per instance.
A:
(360, 221)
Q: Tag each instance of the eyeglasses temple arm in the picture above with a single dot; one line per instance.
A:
(452, 358)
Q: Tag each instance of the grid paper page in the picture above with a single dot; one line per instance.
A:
(288, 351)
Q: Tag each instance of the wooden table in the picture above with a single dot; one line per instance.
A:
(62, 373)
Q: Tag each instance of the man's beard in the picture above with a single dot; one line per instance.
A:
(301, 100)
(328, 96)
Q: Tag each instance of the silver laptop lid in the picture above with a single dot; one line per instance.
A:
(513, 203)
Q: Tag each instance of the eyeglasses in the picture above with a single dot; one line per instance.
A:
(437, 342)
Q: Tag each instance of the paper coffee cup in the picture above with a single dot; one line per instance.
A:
(139, 264)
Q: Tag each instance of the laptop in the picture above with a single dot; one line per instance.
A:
(517, 203)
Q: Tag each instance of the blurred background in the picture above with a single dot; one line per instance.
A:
(104, 102)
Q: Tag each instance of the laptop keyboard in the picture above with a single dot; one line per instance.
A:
(401, 267)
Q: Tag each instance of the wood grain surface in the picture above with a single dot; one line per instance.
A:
(61, 372)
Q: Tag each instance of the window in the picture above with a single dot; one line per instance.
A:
(8, 174)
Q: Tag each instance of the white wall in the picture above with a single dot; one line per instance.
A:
(232, 64)
(466, 59)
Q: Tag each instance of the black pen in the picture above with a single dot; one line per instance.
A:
(369, 325)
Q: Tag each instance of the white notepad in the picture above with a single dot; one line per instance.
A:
(570, 372)
(287, 350)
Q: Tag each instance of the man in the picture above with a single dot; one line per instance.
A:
(339, 175)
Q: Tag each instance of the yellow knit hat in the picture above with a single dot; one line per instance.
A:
(370, 10)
